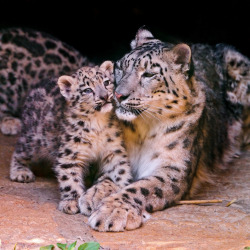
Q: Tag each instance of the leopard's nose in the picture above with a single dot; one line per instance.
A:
(120, 97)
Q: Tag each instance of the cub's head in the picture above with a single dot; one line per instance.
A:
(90, 89)
(153, 79)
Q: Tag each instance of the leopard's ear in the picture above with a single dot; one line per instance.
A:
(66, 84)
(182, 54)
(108, 68)
(142, 36)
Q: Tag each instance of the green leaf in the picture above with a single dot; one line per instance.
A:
(49, 247)
(247, 247)
(62, 246)
(89, 246)
(72, 246)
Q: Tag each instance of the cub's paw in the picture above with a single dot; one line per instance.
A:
(22, 175)
(10, 126)
(69, 206)
(116, 215)
(90, 200)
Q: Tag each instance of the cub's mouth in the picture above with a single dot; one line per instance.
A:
(104, 107)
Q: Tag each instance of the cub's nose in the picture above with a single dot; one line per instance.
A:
(104, 97)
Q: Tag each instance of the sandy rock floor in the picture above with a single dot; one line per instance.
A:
(29, 217)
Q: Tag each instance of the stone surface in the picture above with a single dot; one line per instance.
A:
(29, 217)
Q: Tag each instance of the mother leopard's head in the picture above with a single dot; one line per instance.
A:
(153, 80)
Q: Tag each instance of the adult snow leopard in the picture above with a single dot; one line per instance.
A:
(181, 111)
(26, 57)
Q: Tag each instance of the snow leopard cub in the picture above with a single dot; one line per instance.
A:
(72, 125)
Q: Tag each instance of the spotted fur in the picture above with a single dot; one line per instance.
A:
(26, 57)
(72, 125)
(236, 71)
(181, 109)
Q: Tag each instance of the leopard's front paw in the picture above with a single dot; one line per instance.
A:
(69, 206)
(10, 126)
(116, 215)
(90, 200)
(85, 204)
(22, 175)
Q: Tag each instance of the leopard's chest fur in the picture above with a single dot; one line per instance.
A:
(152, 143)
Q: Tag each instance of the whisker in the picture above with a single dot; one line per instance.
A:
(157, 111)
(160, 107)
(149, 111)
(163, 110)
(141, 114)
(152, 114)
(156, 107)
(143, 109)
(166, 114)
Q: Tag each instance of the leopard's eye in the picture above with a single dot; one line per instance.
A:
(88, 91)
(106, 83)
(148, 74)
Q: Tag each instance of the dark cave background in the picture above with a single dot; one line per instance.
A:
(102, 30)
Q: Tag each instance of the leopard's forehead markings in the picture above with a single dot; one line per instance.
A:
(144, 53)
(141, 59)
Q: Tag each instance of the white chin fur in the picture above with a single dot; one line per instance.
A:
(127, 116)
(106, 108)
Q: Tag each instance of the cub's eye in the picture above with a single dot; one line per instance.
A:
(88, 91)
(148, 74)
(106, 83)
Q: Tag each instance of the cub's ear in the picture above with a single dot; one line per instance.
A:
(66, 85)
(108, 68)
(142, 36)
(182, 54)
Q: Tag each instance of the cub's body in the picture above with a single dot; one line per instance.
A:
(72, 125)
